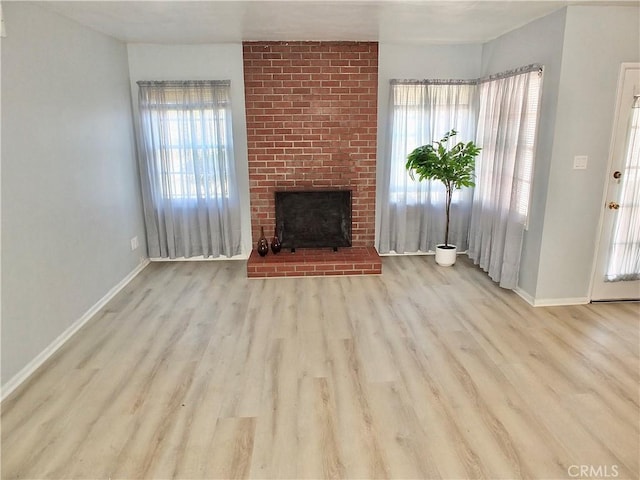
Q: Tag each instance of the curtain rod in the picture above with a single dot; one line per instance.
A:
(509, 73)
(182, 83)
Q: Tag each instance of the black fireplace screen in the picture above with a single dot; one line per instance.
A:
(314, 219)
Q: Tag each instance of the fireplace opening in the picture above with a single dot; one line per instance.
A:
(314, 219)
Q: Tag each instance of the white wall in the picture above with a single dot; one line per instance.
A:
(70, 195)
(596, 41)
(537, 42)
(202, 62)
(417, 62)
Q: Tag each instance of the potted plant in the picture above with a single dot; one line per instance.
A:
(454, 167)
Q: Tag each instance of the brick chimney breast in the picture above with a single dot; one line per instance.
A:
(312, 124)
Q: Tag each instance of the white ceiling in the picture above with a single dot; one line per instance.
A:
(393, 21)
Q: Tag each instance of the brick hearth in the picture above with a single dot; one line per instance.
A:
(311, 111)
(316, 262)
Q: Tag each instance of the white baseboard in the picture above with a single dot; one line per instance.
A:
(559, 302)
(200, 258)
(53, 347)
(550, 302)
(431, 253)
(525, 296)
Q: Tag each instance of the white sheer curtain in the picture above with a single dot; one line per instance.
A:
(187, 169)
(506, 132)
(413, 213)
(624, 257)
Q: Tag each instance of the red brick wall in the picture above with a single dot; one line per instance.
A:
(311, 123)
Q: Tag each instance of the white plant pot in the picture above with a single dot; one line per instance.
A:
(445, 257)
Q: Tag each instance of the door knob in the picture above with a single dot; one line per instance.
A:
(614, 206)
(617, 174)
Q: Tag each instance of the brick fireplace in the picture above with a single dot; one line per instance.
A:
(311, 112)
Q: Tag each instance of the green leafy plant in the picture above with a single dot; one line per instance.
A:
(454, 167)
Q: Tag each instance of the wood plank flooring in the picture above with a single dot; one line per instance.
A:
(194, 371)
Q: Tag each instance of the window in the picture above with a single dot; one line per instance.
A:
(188, 131)
(525, 172)
(504, 170)
(500, 114)
(507, 129)
(422, 113)
(182, 179)
(189, 190)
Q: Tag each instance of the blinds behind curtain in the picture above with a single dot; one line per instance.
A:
(187, 169)
(412, 212)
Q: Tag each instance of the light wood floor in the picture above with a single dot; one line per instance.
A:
(194, 371)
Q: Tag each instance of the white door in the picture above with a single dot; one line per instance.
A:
(617, 268)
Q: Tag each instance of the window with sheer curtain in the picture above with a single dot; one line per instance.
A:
(412, 216)
(507, 124)
(508, 111)
(498, 112)
(188, 171)
(187, 164)
(422, 112)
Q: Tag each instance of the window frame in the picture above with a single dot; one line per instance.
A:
(180, 183)
(435, 192)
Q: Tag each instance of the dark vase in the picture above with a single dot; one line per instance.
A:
(263, 245)
(276, 246)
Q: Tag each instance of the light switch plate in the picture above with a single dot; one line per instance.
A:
(580, 162)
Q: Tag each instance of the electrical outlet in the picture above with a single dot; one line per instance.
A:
(134, 243)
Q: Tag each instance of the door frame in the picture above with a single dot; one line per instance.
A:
(619, 103)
